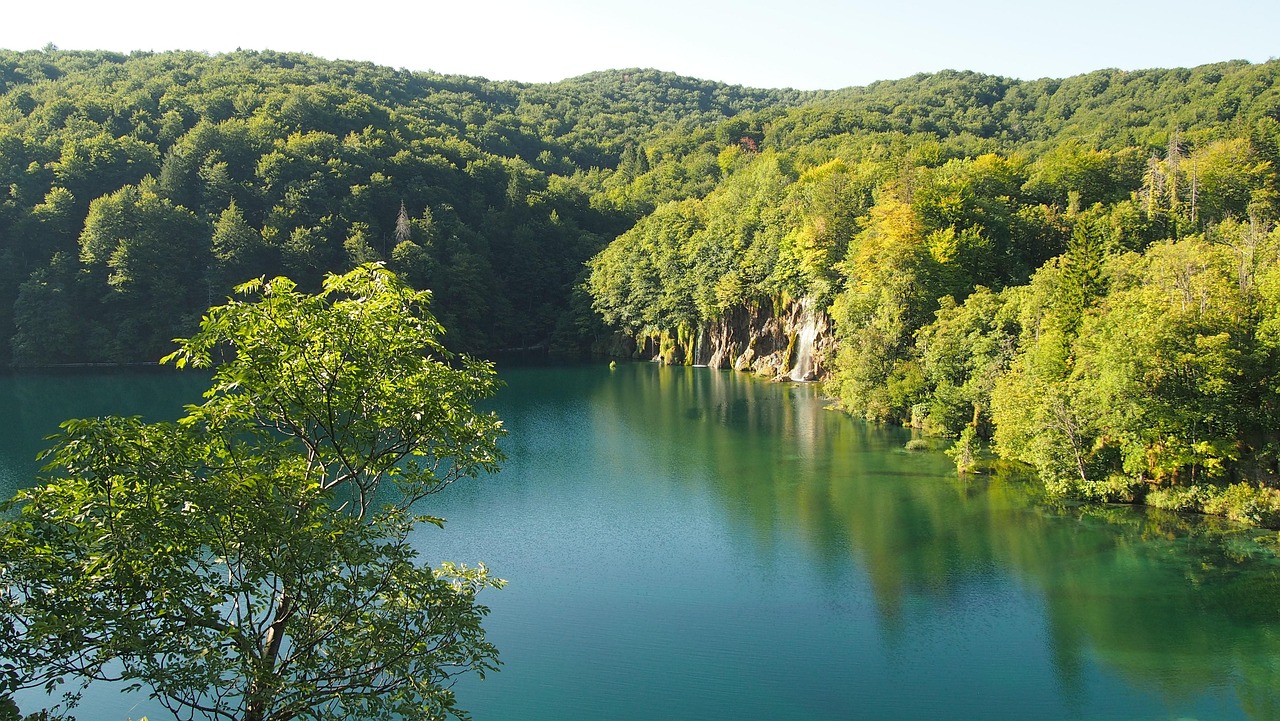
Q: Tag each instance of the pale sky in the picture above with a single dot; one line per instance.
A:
(806, 44)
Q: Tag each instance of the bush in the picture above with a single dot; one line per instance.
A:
(1240, 502)
(1115, 488)
(1179, 498)
(965, 451)
(1245, 503)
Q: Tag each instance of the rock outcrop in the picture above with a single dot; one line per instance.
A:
(777, 340)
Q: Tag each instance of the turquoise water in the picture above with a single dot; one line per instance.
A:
(696, 544)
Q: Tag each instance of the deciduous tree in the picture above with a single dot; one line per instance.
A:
(253, 560)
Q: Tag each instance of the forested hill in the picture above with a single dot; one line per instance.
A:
(1107, 108)
(1083, 269)
(1086, 271)
(137, 189)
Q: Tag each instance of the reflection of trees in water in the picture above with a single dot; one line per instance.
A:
(1168, 602)
(1172, 603)
(1257, 691)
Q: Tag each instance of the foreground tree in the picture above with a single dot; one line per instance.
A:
(253, 560)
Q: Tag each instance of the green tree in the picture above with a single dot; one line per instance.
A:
(1164, 363)
(1229, 178)
(150, 257)
(238, 250)
(1083, 279)
(1034, 405)
(49, 315)
(891, 280)
(253, 560)
(962, 354)
(99, 165)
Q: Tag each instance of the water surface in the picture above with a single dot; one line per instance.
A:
(697, 544)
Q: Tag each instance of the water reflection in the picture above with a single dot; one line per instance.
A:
(689, 543)
(1167, 603)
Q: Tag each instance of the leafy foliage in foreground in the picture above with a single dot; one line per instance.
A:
(252, 561)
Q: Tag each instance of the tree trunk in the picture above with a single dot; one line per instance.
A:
(260, 694)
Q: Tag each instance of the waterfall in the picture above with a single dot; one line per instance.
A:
(803, 369)
(697, 349)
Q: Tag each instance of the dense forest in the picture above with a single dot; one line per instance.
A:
(140, 188)
(1082, 271)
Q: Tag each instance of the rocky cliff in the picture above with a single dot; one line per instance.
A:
(781, 340)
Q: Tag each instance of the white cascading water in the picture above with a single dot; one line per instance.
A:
(804, 347)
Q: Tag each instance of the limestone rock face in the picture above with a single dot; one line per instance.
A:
(774, 340)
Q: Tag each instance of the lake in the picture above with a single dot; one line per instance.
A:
(685, 543)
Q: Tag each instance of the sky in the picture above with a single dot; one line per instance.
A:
(806, 44)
